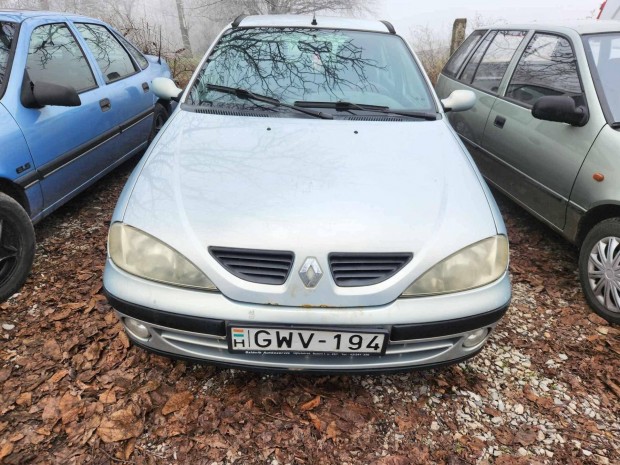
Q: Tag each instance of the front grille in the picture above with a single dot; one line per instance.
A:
(364, 269)
(257, 266)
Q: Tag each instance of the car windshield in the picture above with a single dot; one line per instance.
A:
(7, 33)
(295, 65)
(605, 53)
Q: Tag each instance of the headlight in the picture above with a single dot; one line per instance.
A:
(140, 254)
(474, 266)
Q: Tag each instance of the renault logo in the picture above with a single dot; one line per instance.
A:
(310, 272)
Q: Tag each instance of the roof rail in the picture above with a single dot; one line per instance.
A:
(238, 20)
(389, 26)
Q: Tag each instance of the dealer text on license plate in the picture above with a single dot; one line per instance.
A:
(243, 339)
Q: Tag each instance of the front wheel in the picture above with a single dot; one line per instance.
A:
(17, 246)
(599, 269)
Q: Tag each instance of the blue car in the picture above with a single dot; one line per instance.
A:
(75, 102)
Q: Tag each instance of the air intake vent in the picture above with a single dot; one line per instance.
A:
(373, 118)
(257, 266)
(222, 112)
(364, 269)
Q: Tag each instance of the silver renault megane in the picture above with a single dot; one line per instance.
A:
(308, 207)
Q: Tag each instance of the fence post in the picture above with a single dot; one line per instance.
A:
(458, 34)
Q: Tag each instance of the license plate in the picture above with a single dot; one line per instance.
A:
(282, 340)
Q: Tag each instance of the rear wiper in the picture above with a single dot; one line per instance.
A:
(248, 95)
(346, 106)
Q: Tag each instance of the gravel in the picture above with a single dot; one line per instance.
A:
(544, 389)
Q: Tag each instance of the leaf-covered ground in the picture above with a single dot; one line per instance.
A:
(73, 390)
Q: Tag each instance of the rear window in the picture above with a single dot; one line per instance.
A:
(456, 61)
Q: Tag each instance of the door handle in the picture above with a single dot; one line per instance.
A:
(145, 87)
(500, 121)
(105, 104)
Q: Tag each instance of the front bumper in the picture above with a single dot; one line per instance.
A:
(424, 332)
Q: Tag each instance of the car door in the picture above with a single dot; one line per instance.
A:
(68, 144)
(127, 87)
(536, 162)
(483, 74)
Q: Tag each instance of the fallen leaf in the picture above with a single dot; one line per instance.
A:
(58, 376)
(51, 410)
(311, 405)
(5, 450)
(613, 386)
(124, 339)
(57, 316)
(5, 373)
(525, 437)
(121, 425)
(129, 448)
(25, 398)
(318, 424)
(43, 431)
(51, 349)
(107, 397)
(403, 425)
(332, 431)
(149, 386)
(69, 407)
(395, 460)
(177, 401)
(16, 437)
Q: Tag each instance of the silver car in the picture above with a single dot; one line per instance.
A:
(308, 207)
(545, 131)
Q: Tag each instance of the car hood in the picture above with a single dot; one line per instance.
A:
(312, 187)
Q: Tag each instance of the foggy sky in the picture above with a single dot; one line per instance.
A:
(439, 14)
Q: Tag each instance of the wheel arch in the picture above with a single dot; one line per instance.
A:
(594, 216)
(16, 192)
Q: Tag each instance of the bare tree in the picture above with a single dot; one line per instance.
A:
(225, 10)
(183, 26)
(432, 49)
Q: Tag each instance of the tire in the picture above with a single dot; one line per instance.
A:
(160, 116)
(599, 269)
(17, 244)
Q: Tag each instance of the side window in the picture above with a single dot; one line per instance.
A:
(111, 57)
(548, 67)
(495, 62)
(55, 56)
(472, 65)
(135, 53)
(456, 61)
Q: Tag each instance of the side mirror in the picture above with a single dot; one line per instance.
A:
(166, 89)
(459, 100)
(560, 109)
(39, 94)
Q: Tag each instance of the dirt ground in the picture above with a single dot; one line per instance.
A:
(74, 390)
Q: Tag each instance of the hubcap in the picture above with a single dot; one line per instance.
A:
(604, 272)
(9, 250)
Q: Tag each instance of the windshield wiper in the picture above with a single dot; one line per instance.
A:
(615, 125)
(248, 95)
(346, 106)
